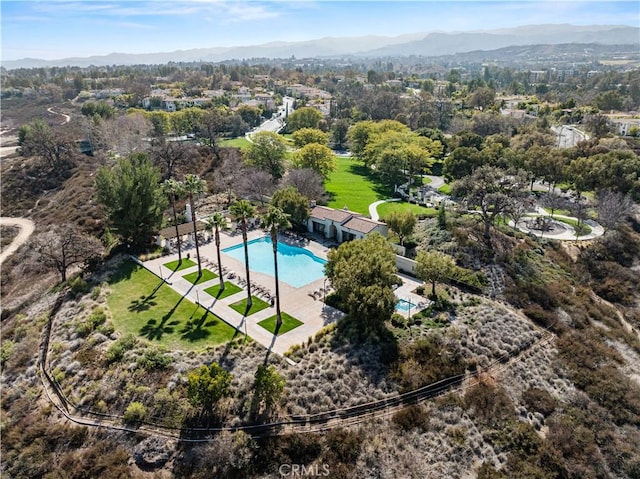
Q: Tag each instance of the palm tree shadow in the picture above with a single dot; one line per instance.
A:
(155, 330)
(273, 342)
(195, 329)
(142, 304)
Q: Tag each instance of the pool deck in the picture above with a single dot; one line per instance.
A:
(298, 302)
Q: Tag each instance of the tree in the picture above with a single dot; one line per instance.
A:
(597, 124)
(434, 267)
(210, 128)
(304, 136)
(339, 132)
(242, 211)
(255, 183)
(318, 157)
(482, 98)
(267, 152)
(293, 203)
(461, 162)
(268, 388)
(195, 186)
(276, 220)
(169, 154)
(401, 223)
(612, 208)
(132, 197)
(174, 191)
(305, 117)
(38, 139)
(215, 223)
(363, 273)
(61, 247)
(207, 385)
(490, 191)
(307, 181)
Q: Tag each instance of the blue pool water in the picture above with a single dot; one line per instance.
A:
(404, 305)
(296, 266)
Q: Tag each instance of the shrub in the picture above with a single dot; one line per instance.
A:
(412, 417)
(135, 413)
(78, 285)
(490, 403)
(95, 319)
(116, 351)
(539, 400)
(154, 360)
(6, 350)
(398, 320)
(344, 446)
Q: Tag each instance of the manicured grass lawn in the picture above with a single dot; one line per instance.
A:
(256, 305)
(229, 289)
(288, 323)
(142, 305)
(582, 229)
(176, 266)
(386, 208)
(241, 143)
(206, 276)
(445, 189)
(354, 186)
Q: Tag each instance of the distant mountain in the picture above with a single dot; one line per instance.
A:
(424, 44)
(436, 44)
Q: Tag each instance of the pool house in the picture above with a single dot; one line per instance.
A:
(342, 225)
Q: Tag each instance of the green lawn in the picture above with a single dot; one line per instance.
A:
(177, 266)
(256, 305)
(240, 142)
(445, 189)
(353, 185)
(288, 323)
(142, 305)
(229, 289)
(206, 276)
(581, 228)
(386, 208)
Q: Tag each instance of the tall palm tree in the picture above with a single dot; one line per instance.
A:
(193, 186)
(174, 190)
(215, 223)
(276, 220)
(242, 212)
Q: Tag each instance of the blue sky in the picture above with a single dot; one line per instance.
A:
(54, 29)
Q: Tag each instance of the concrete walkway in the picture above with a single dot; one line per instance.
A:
(569, 234)
(373, 208)
(297, 302)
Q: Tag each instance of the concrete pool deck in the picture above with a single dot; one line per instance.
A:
(297, 302)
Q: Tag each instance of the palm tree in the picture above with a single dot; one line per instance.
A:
(215, 223)
(194, 185)
(276, 220)
(174, 190)
(242, 212)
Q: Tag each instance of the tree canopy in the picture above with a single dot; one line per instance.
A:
(401, 223)
(207, 385)
(132, 198)
(267, 152)
(363, 273)
(304, 136)
(305, 117)
(293, 203)
(318, 157)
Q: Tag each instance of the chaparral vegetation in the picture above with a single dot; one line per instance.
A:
(485, 323)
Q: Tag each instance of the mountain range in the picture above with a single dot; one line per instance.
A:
(421, 44)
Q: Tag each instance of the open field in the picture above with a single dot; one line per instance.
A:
(386, 208)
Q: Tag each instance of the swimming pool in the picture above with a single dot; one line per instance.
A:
(296, 266)
(404, 305)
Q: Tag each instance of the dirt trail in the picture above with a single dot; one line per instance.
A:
(26, 228)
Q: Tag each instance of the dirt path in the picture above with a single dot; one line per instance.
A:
(67, 118)
(26, 228)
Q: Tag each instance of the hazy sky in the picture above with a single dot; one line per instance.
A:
(53, 29)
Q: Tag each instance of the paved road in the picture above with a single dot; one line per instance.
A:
(276, 123)
(568, 136)
(26, 228)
